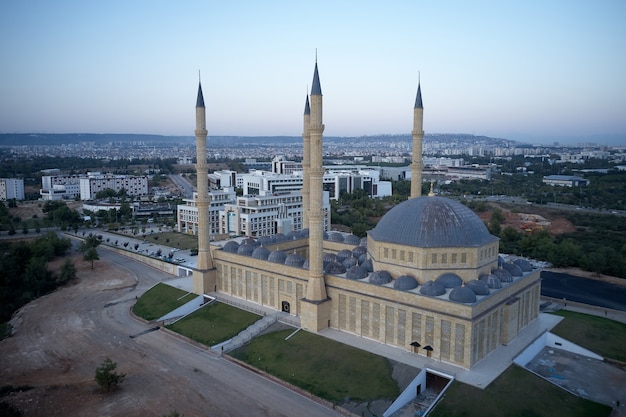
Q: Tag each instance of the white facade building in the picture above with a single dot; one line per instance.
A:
(11, 188)
(95, 182)
(267, 214)
(187, 214)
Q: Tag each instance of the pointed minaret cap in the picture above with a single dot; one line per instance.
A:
(418, 98)
(200, 100)
(307, 108)
(316, 88)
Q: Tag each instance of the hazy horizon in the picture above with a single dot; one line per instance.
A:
(533, 72)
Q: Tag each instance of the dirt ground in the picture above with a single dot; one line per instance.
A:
(535, 218)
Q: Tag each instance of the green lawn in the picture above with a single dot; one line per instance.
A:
(160, 300)
(174, 240)
(600, 335)
(321, 366)
(515, 393)
(214, 323)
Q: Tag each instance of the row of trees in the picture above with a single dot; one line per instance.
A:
(24, 275)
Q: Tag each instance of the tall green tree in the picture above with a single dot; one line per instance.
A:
(91, 255)
(107, 377)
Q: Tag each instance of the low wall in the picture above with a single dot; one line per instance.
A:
(548, 339)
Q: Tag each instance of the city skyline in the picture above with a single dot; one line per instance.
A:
(533, 72)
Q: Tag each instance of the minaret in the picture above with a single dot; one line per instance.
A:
(204, 274)
(418, 137)
(315, 310)
(306, 164)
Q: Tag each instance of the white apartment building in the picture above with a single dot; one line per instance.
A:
(187, 214)
(11, 188)
(96, 182)
(267, 214)
(60, 187)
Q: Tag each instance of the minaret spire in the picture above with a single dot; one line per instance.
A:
(204, 274)
(418, 136)
(315, 308)
(306, 164)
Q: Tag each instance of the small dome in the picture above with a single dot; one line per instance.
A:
(305, 265)
(363, 242)
(450, 280)
(513, 269)
(492, 281)
(356, 272)
(280, 237)
(246, 249)
(304, 233)
(231, 247)
(249, 241)
(265, 240)
(350, 262)
(380, 278)
(334, 268)
(500, 260)
(325, 236)
(432, 288)
(351, 239)
(277, 256)
(358, 251)
(328, 258)
(362, 259)
(479, 287)
(524, 265)
(335, 237)
(344, 254)
(405, 283)
(261, 253)
(463, 295)
(295, 260)
(503, 275)
(369, 267)
(293, 235)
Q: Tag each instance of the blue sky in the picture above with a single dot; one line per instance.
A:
(535, 71)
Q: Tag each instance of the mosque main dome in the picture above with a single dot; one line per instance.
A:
(432, 222)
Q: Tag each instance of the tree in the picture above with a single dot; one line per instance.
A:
(107, 377)
(68, 271)
(91, 255)
(173, 414)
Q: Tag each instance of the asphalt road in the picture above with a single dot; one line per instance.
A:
(583, 290)
(62, 337)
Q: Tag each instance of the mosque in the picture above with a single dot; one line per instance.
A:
(427, 278)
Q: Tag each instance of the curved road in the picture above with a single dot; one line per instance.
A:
(78, 326)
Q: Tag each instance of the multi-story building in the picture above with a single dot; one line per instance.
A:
(187, 214)
(11, 188)
(267, 214)
(564, 180)
(60, 187)
(96, 182)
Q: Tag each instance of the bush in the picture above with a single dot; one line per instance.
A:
(106, 376)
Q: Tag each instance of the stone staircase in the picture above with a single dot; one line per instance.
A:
(247, 334)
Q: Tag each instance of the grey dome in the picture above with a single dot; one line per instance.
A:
(293, 234)
(305, 265)
(265, 240)
(334, 268)
(350, 262)
(304, 233)
(524, 265)
(351, 239)
(492, 281)
(356, 272)
(295, 260)
(380, 278)
(369, 267)
(363, 242)
(344, 254)
(479, 287)
(404, 283)
(280, 237)
(328, 258)
(246, 249)
(358, 251)
(335, 237)
(277, 256)
(450, 280)
(500, 260)
(249, 241)
(231, 247)
(432, 288)
(513, 269)
(261, 253)
(362, 259)
(432, 222)
(503, 275)
(463, 295)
